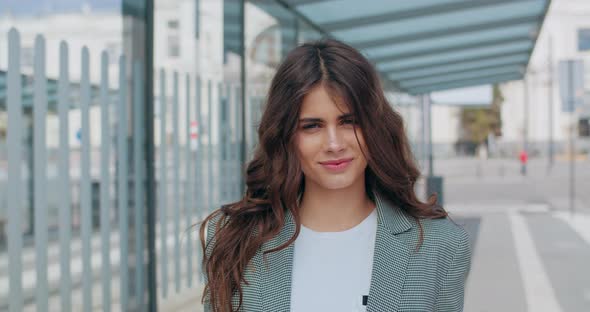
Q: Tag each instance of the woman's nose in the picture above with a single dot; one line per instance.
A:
(334, 139)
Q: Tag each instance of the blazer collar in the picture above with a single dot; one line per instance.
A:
(390, 262)
(390, 258)
(391, 216)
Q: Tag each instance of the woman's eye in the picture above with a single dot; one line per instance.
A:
(349, 121)
(309, 126)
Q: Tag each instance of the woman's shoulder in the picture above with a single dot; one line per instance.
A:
(213, 222)
(444, 229)
(451, 244)
(446, 235)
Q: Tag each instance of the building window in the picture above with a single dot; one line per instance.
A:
(584, 127)
(584, 39)
(173, 39)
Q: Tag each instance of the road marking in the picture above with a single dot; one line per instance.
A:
(579, 222)
(540, 295)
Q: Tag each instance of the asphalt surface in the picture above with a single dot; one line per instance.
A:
(531, 246)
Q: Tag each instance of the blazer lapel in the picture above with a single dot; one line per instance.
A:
(277, 269)
(390, 259)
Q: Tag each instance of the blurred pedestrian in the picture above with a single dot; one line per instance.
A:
(523, 161)
(330, 220)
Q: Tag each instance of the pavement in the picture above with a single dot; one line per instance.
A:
(531, 242)
(526, 258)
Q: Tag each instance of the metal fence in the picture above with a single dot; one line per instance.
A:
(74, 233)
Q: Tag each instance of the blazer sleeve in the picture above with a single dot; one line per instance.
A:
(451, 295)
(210, 233)
(211, 230)
(209, 242)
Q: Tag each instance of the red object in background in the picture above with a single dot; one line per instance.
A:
(523, 157)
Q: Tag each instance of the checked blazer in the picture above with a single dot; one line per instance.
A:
(431, 278)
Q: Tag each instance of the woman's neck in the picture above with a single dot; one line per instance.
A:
(325, 210)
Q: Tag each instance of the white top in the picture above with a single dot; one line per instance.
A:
(332, 270)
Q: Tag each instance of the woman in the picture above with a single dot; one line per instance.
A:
(330, 220)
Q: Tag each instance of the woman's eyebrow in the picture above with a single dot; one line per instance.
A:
(315, 119)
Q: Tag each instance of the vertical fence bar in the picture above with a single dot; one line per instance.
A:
(149, 160)
(65, 208)
(85, 201)
(235, 145)
(198, 171)
(218, 153)
(249, 122)
(105, 222)
(188, 184)
(221, 104)
(239, 141)
(225, 123)
(138, 185)
(176, 198)
(14, 188)
(243, 147)
(219, 150)
(210, 188)
(163, 186)
(231, 112)
(40, 175)
(123, 186)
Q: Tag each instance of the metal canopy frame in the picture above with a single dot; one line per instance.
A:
(468, 83)
(412, 13)
(518, 65)
(419, 83)
(445, 49)
(427, 57)
(446, 32)
(458, 62)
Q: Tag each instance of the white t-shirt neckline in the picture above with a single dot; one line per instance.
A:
(352, 230)
(332, 270)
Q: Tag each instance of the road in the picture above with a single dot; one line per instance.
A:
(530, 251)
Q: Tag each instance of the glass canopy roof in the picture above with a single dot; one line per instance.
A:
(431, 45)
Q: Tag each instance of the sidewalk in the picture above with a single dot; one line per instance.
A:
(526, 257)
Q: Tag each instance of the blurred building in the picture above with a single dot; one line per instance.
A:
(565, 35)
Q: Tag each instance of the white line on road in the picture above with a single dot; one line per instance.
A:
(540, 296)
(579, 222)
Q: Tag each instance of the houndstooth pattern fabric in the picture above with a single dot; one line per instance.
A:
(403, 279)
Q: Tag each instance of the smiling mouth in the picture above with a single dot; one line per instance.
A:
(337, 166)
(335, 163)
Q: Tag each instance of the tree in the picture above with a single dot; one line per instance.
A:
(478, 122)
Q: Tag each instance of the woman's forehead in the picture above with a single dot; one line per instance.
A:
(319, 102)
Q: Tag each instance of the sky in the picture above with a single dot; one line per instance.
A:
(478, 95)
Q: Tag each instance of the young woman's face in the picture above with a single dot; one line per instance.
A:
(325, 134)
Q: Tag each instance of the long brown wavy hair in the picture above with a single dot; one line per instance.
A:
(275, 179)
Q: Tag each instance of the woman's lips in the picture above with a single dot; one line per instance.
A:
(336, 165)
